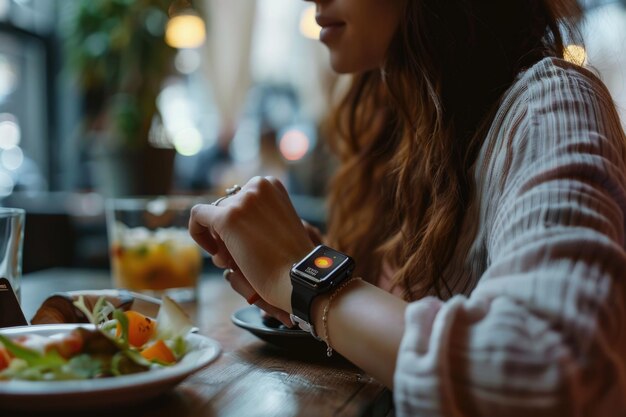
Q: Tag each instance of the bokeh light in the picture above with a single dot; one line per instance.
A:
(576, 54)
(187, 61)
(12, 158)
(188, 141)
(185, 31)
(308, 26)
(10, 133)
(294, 144)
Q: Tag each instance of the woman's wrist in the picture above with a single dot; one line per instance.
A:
(284, 287)
(321, 306)
(317, 311)
(284, 291)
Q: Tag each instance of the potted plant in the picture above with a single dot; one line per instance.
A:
(117, 49)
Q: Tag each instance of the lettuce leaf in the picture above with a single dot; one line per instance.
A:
(172, 322)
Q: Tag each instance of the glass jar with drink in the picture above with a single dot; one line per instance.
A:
(150, 247)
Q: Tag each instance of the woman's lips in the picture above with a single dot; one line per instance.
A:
(331, 28)
(329, 33)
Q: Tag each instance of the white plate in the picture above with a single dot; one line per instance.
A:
(64, 395)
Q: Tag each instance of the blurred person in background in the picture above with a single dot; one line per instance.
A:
(268, 109)
(482, 194)
(212, 164)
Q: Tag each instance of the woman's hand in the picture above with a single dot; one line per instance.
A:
(258, 233)
(314, 233)
(240, 284)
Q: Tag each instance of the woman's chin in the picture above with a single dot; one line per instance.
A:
(341, 65)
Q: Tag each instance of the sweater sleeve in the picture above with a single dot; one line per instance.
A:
(543, 333)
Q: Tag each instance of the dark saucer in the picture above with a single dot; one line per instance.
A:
(273, 331)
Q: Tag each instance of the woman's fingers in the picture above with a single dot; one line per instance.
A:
(275, 312)
(258, 230)
(201, 229)
(278, 185)
(239, 283)
(222, 258)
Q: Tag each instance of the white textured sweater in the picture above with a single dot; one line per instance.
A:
(539, 325)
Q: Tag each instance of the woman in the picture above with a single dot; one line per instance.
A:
(483, 180)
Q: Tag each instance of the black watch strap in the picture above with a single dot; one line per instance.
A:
(320, 271)
(301, 299)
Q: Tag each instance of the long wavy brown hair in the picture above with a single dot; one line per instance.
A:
(409, 133)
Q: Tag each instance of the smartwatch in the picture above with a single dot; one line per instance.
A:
(320, 271)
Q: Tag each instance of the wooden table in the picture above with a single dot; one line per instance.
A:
(251, 377)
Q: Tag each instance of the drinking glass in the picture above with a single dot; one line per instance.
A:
(11, 241)
(150, 247)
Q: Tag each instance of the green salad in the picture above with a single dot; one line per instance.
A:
(119, 343)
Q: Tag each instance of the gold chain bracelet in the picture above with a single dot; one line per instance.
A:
(329, 350)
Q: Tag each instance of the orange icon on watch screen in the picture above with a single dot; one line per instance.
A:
(323, 262)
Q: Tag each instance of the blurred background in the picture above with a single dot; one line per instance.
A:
(111, 98)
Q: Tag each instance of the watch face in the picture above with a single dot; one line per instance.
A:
(321, 263)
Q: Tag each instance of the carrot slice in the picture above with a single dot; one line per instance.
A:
(159, 351)
(140, 328)
(5, 357)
